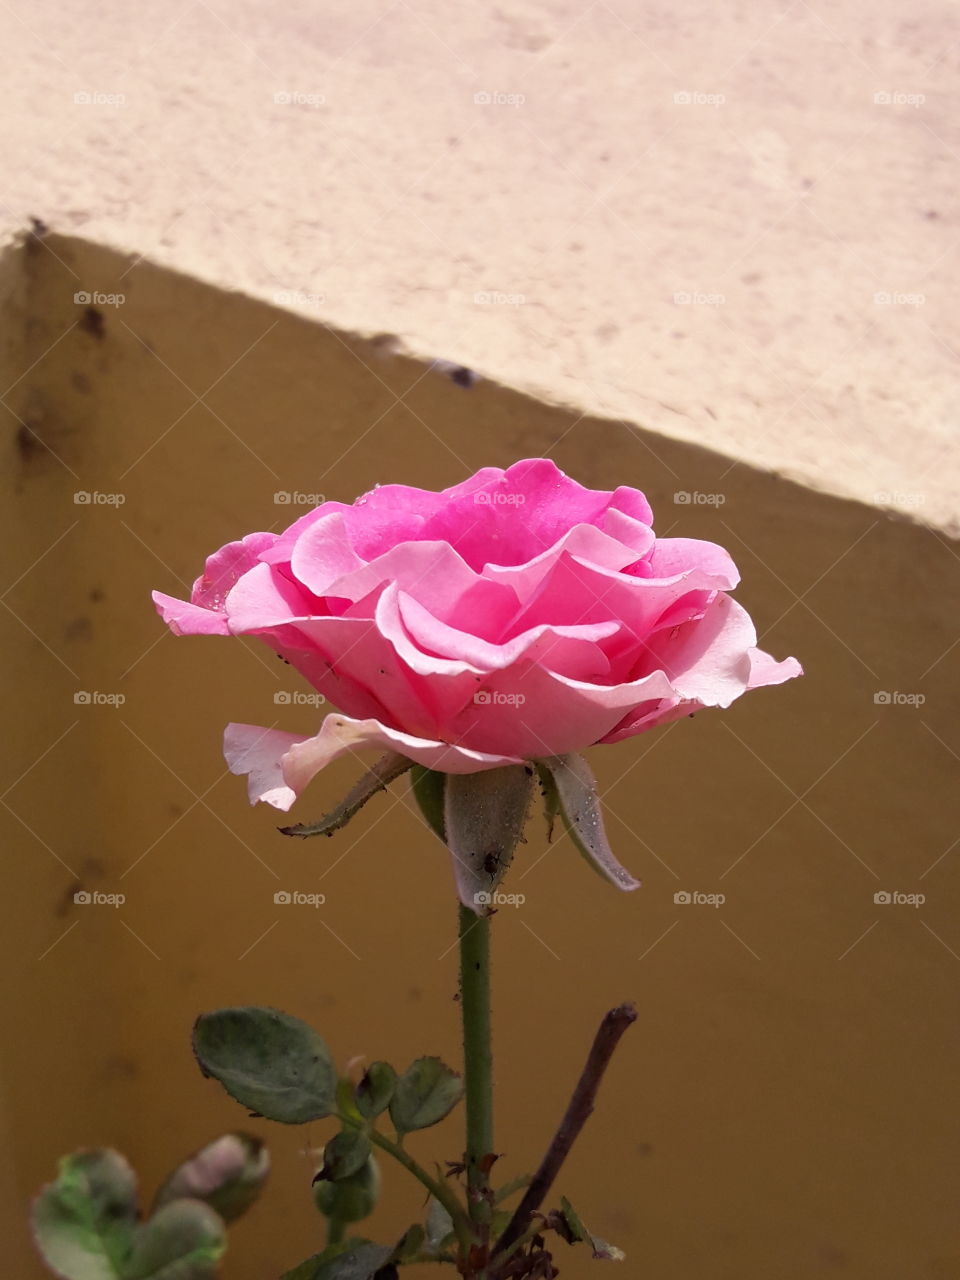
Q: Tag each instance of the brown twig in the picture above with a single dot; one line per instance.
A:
(578, 1112)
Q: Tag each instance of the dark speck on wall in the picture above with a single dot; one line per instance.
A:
(92, 322)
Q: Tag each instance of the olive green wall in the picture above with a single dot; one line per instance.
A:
(785, 1105)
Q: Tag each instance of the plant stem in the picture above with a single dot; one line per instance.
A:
(478, 1064)
(439, 1190)
(335, 1230)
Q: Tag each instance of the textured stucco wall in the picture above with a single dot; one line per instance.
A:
(289, 270)
(627, 155)
(784, 1106)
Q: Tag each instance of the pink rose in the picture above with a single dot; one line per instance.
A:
(513, 617)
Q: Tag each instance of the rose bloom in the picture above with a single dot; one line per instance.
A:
(512, 617)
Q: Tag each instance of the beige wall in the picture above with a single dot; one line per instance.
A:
(785, 1105)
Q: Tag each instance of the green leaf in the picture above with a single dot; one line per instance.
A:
(569, 784)
(409, 1244)
(568, 1224)
(269, 1061)
(183, 1240)
(375, 1090)
(375, 779)
(426, 1092)
(439, 1226)
(484, 816)
(84, 1221)
(228, 1174)
(428, 787)
(352, 1260)
(345, 1153)
(352, 1198)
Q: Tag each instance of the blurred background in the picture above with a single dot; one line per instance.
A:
(256, 259)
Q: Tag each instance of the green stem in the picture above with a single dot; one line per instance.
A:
(335, 1230)
(439, 1190)
(478, 1063)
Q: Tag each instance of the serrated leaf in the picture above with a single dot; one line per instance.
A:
(426, 1092)
(84, 1221)
(184, 1240)
(345, 1154)
(428, 787)
(376, 778)
(228, 1174)
(484, 816)
(269, 1061)
(354, 1260)
(439, 1226)
(570, 785)
(375, 1089)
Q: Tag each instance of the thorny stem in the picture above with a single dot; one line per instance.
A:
(478, 1067)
